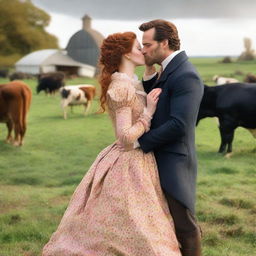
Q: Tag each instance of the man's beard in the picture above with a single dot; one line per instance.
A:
(156, 59)
(150, 61)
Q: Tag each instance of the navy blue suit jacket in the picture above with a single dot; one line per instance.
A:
(172, 133)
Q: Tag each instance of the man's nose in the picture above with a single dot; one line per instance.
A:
(143, 51)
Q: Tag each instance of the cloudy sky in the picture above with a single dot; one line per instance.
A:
(206, 27)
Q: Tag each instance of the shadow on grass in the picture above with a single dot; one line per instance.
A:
(223, 170)
(75, 115)
(212, 239)
(219, 219)
(211, 155)
(25, 180)
(239, 232)
(237, 203)
(14, 219)
(71, 181)
(233, 232)
(23, 233)
(5, 147)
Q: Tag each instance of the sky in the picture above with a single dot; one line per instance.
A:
(206, 28)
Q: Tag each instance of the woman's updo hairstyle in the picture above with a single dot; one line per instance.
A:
(112, 50)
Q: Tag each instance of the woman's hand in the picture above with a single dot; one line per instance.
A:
(152, 99)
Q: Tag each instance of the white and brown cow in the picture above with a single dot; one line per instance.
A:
(77, 95)
(15, 100)
(219, 80)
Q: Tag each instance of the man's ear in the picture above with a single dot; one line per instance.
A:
(165, 43)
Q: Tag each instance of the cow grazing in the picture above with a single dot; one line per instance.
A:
(4, 72)
(250, 78)
(50, 82)
(15, 99)
(234, 105)
(77, 95)
(224, 80)
(20, 76)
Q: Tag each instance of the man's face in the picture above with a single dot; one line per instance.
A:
(152, 50)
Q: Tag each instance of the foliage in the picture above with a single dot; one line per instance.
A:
(249, 53)
(226, 59)
(22, 28)
(8, 61)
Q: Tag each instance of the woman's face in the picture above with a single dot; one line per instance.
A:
(136, 55)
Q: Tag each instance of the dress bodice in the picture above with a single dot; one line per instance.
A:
(125, 92)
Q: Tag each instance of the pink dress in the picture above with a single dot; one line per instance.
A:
(118, 209)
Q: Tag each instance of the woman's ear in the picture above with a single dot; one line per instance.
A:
(127, 56)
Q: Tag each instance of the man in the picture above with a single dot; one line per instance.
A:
(172, 134)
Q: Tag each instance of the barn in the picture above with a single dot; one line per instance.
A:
(50, 60)
(84, 45)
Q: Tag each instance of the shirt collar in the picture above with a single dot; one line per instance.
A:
(168, 59)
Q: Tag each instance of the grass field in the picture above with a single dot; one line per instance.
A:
(37, 180)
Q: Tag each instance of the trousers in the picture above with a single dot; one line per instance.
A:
(187, 230)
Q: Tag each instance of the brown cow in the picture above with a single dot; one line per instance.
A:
(15, 99)
(250, 78)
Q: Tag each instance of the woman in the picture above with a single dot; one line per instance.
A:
(118, 209)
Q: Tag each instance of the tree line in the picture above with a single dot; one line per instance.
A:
(22, 30)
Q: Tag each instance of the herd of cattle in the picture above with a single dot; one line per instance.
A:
(15, 99)
(232, 102)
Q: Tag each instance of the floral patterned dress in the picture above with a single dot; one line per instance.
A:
(119, 209)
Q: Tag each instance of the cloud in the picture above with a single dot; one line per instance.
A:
(149, 9)
(205, 27)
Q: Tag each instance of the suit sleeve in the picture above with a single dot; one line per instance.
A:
(184, 103)
(149, 83)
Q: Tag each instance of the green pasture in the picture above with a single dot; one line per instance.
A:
(38, 179)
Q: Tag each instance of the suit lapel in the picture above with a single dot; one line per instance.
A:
(171, 67)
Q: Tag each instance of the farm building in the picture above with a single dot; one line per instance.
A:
(50, 60)
(84, 45)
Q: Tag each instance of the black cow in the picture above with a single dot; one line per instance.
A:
(4, 72)
(234, 105)
(20, 76)
(50, 82)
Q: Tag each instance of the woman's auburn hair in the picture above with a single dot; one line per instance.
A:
(112, 50)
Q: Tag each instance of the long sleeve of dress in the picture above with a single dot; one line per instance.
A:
(121, 101)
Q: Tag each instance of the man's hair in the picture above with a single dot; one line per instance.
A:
(163, 30)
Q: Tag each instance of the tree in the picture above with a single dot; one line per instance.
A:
(248, 54)
(22, 28)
